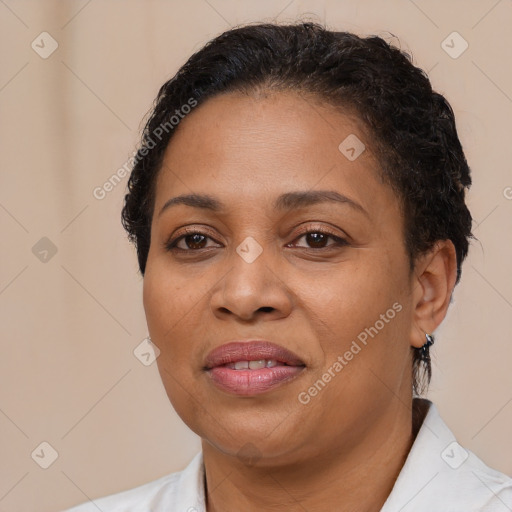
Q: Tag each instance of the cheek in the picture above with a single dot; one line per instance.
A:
(165, 306)
(360, 315)
(176, 308)
(352, 298)
(169, 312)
(172, 322)
(166, 293)
(158, 293)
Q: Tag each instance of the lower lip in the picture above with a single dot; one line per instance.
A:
(252, 382)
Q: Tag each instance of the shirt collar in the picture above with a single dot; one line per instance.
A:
(430, 466)
(191, 486)
(424, 462)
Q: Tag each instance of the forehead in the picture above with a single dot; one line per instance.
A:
(255, 148)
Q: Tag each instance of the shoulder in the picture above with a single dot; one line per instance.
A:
(440, 474)
(171, 492)
(134, 500)
(468, 481)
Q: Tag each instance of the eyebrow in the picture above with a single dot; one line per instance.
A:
(287, 201)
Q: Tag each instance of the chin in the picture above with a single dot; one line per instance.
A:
(256, 452)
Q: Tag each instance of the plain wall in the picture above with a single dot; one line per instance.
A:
(70, 324)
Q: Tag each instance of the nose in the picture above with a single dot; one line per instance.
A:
(250, 290)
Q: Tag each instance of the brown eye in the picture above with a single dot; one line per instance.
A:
(317, 239)
(195, 241)
(191, 241)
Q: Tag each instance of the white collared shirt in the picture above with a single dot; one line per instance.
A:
(439, 475)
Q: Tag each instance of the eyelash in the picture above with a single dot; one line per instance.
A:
(339, 242)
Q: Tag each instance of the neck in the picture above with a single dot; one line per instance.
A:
(359, 477)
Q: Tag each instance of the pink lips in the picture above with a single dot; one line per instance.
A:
(280, 366)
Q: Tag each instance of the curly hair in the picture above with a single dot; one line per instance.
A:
(412, 128)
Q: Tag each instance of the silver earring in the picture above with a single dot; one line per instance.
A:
(425, 348)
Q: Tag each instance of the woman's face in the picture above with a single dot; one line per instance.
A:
(259, 268)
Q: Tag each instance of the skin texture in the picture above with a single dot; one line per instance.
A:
(344, 449)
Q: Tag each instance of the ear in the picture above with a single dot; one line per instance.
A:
(434, 278)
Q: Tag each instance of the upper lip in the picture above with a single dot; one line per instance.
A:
(250, 350)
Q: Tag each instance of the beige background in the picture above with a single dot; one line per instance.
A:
(69, 325)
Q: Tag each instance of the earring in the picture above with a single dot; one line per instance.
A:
(425, 348)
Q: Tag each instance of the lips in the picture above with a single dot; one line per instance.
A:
(251, 351)
(251, 367)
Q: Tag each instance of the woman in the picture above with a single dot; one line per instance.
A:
(298, 208)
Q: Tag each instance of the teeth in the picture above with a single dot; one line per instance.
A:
(257, 365)
(253, 365)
